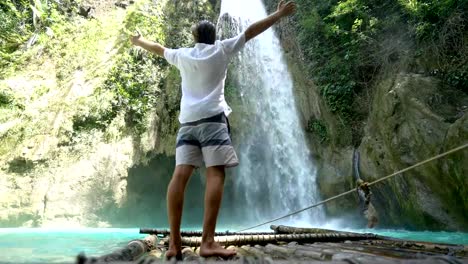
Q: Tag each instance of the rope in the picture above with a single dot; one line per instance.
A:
(354, 190)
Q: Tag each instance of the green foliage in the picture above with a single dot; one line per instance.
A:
(337, 37)
(72, 42)
(8, 99)
(138, 80)
(428, 16)
(318, 128)
(337, 87)
(134, 80)
(23, 19)
(441, 28)
(97, 113)
(136, 76)
(41, 12)
(457, 77)
(5, 98)
(147, 18)
(347, 43)
(14, 26)
(181, 16)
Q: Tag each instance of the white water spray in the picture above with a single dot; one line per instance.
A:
(276, 174)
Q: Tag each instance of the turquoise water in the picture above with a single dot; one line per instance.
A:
(436, 237)
(19, 245)
(58, 246)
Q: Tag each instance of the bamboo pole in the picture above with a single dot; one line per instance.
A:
(282, 229)
(238, 240)
(334, 253)
(165, 232)
(132, 251)
(361, 260)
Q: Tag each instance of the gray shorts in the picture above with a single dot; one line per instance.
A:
(206, 140)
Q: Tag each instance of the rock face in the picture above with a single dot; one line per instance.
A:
(55, 174)
(51, 175)
(63, 193)
(412, 117)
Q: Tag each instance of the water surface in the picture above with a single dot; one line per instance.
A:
(20, 245)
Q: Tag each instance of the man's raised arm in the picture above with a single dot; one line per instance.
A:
(284, 9)
(148, 45)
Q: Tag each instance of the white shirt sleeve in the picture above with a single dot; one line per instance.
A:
(233, 45)
(172, 56)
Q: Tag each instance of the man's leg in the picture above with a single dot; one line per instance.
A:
(213, 196)
(175, 204)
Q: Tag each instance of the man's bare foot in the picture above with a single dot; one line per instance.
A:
(210, 249)
(174, 252)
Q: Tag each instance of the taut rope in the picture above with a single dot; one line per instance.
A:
(354, 190)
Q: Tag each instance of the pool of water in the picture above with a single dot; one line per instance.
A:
(58, 246)
(436, 237)
(19, 245)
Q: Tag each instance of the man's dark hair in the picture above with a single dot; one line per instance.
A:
(204, 32)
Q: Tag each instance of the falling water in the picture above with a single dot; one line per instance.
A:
(276, 173)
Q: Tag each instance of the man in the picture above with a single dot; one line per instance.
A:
(204, 132)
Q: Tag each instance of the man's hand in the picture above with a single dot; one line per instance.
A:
(151, 46)
(286, 8)
(136, 38)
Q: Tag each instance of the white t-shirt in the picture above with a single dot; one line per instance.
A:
(203, 69)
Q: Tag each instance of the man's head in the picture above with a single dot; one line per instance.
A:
(204, 32)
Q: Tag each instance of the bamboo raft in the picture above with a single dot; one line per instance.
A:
(289, 245)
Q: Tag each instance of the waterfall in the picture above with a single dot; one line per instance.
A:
(276, 174)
